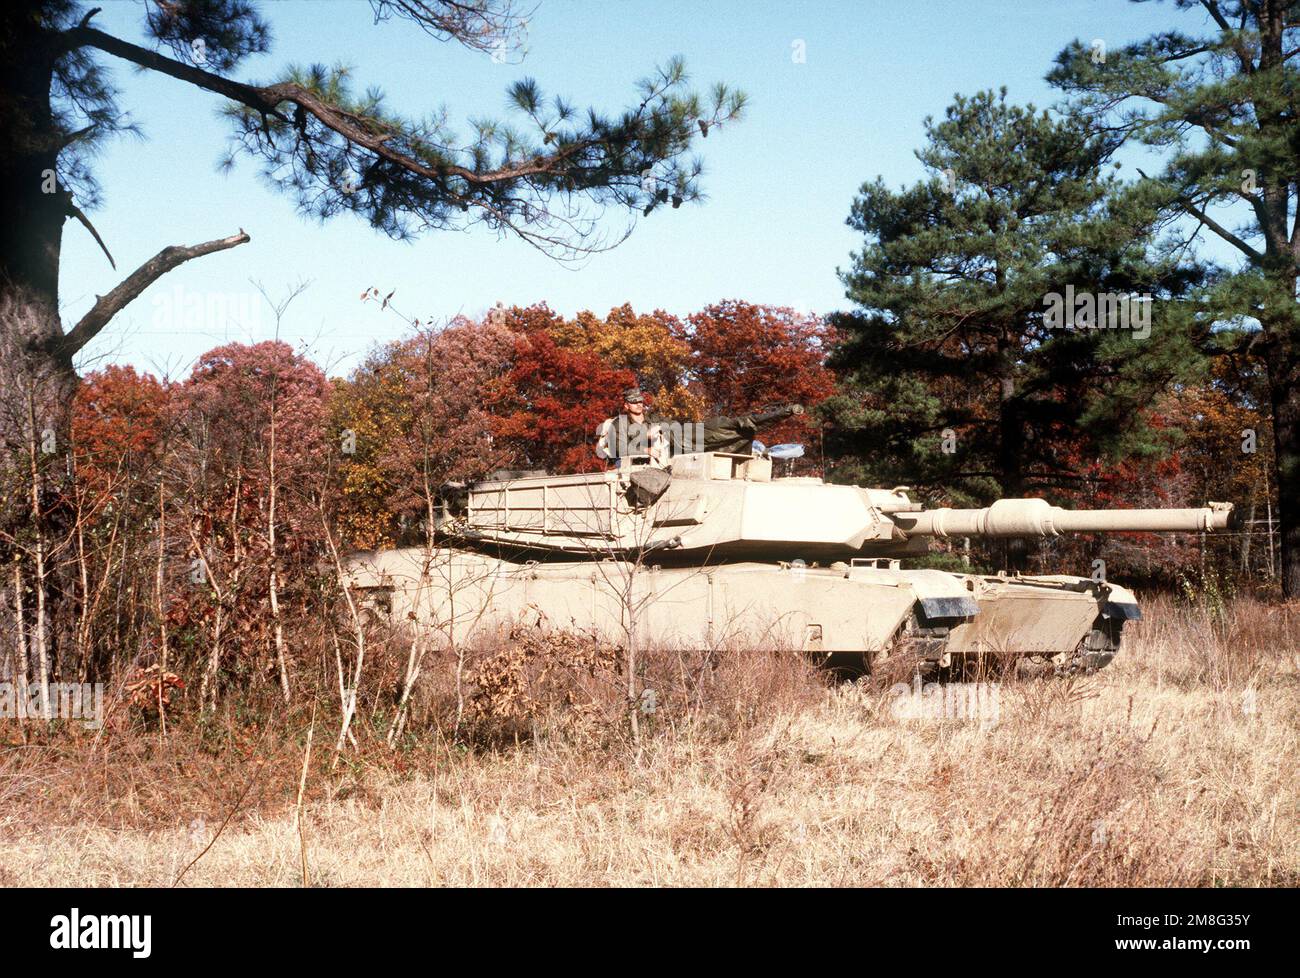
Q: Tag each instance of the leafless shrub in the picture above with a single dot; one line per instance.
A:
(562, 680)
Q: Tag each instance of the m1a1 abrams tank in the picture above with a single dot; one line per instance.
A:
(713, 549)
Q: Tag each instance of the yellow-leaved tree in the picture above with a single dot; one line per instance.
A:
(651, 345)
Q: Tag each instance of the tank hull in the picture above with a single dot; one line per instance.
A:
(849, 615)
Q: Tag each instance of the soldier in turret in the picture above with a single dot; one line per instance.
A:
(633, 433)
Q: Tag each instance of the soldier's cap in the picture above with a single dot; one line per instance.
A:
(633, 395)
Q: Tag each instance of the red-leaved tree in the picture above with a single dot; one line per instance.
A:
(556, 397)
(747, 356)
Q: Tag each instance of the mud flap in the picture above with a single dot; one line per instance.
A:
(1122, 610)
(1101, 644)
(942, 603)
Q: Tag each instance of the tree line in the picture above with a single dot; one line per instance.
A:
(206, 515)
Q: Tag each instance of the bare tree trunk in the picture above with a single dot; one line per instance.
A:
(208, 685)
(415, 656)
(83, 621)
(413, 661)
(631, 612)
(1284, 377)
(349, 696)
(277, 620)
(278, 309)
(1245, 540)
(20, 632)
(41, 629)
(162, 614)
(633, 705)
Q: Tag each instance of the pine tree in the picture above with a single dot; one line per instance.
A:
(958, 374)
(1221, 104)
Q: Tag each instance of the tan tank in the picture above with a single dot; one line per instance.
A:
(715, 550)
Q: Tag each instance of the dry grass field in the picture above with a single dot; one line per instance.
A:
(1175, 766)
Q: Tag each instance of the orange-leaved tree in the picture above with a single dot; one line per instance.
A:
(416, 415)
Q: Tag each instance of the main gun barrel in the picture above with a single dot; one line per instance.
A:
(1038, 518)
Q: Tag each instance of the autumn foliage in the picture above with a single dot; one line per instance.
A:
(555, 400)
(527, 388)
(745, 357)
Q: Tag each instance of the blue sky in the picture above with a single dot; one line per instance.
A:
(779, 184)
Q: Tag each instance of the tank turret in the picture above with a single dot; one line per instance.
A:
(718, 505)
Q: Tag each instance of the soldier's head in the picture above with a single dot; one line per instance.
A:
(634, 402)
